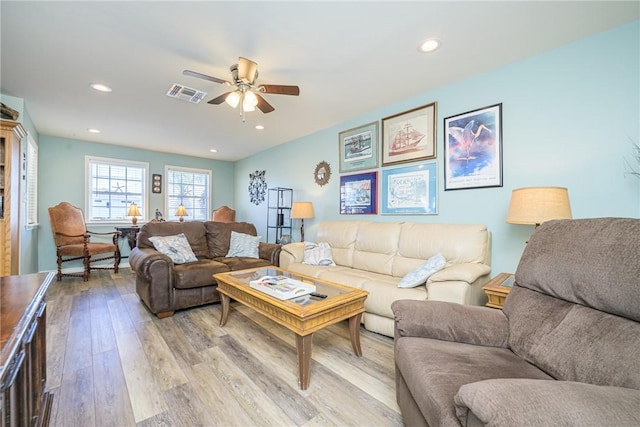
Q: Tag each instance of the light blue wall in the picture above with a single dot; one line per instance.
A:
(569, 118)
(28, 235)
(62, 178)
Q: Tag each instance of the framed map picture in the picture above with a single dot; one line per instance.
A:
(410, 190)
(359, 194)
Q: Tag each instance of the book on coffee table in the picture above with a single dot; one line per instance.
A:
(282, 287)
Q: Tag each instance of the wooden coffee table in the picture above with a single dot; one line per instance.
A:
(302, 315)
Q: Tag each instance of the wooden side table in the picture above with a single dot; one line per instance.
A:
(130, 233)
(497, 289)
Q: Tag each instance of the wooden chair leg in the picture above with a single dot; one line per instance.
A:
(59, 268)
(87, 269)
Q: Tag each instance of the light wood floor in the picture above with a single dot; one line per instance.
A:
(112, 363)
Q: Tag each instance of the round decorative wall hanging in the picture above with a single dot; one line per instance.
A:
(257, 187)
(322, 173)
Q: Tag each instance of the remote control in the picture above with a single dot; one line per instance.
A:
(317, 295)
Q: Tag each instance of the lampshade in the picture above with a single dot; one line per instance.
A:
(535, 205)
(133, 210)
(302, 210)
(233, 99)
(181, 212)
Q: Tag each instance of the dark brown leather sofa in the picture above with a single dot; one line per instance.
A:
(165, 287)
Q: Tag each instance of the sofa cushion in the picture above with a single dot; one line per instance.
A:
(458, 243)
(243, 245)
(576, 260)
(317, 254)
(570, 341)
(420, 275)
(175, 247)
(341, 236)
(376, 246)
(242, 263)
(218, 235)
(197, 274)
(428, 369)
(194, 231)
(519, 402)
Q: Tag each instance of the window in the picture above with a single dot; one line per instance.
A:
(31, 196)
(111, 187)
(190, 187)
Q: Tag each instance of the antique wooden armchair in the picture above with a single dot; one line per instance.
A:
(223, 214)
(73, 241)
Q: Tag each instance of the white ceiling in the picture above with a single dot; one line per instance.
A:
(348, 58)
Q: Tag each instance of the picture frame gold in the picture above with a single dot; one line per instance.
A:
(409, 136)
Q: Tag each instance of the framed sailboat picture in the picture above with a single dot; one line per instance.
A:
(359, 148)
(409, 136)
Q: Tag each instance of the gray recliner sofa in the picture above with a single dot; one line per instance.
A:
(564, 351)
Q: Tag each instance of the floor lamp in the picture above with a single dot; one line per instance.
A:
(302, 211)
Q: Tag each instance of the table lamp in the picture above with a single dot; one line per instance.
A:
(181, 212)
(302, 211)
(134, 213)
(535, 205)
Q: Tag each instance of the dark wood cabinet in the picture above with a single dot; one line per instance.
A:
(23, 355)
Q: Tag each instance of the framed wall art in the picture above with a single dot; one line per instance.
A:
(156, 183)
(358, 148)
(409, 136)
(473, 149)
(410, 190)
(359, 193)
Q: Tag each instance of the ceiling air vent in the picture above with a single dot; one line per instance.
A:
(186, 93)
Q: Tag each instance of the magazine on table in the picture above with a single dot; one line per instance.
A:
(282, 287)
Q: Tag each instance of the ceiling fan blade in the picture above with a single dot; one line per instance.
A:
(247, 70)
(205, 77)
(263, 105)
(280, 89)
(219, 100)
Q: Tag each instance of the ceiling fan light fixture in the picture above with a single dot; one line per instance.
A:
(250, 98)
(233, 99)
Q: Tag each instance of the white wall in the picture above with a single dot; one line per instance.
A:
(569, 118)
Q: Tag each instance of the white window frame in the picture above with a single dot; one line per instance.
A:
(31, 185)
(170, 205)
(141, 199)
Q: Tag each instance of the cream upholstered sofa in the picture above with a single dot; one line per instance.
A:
(375, 256)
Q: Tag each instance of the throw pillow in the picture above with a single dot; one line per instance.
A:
(420, 275)
(244, 245)
(317, 254)
(175, 247)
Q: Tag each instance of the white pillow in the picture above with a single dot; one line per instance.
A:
(317, 254)
(175, 247)
(244, 245)
(420, 275)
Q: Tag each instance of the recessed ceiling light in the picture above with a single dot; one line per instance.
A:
(213, 150)
(259, 127)
(428, 45)
(94, 130)
(100, 87)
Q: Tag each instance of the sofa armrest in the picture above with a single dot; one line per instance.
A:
(141, 259)
(513, 402)
(450, 322)
(270, 252)
(291, 253)
(466, 272)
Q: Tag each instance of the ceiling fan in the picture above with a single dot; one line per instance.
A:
(246, 93)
